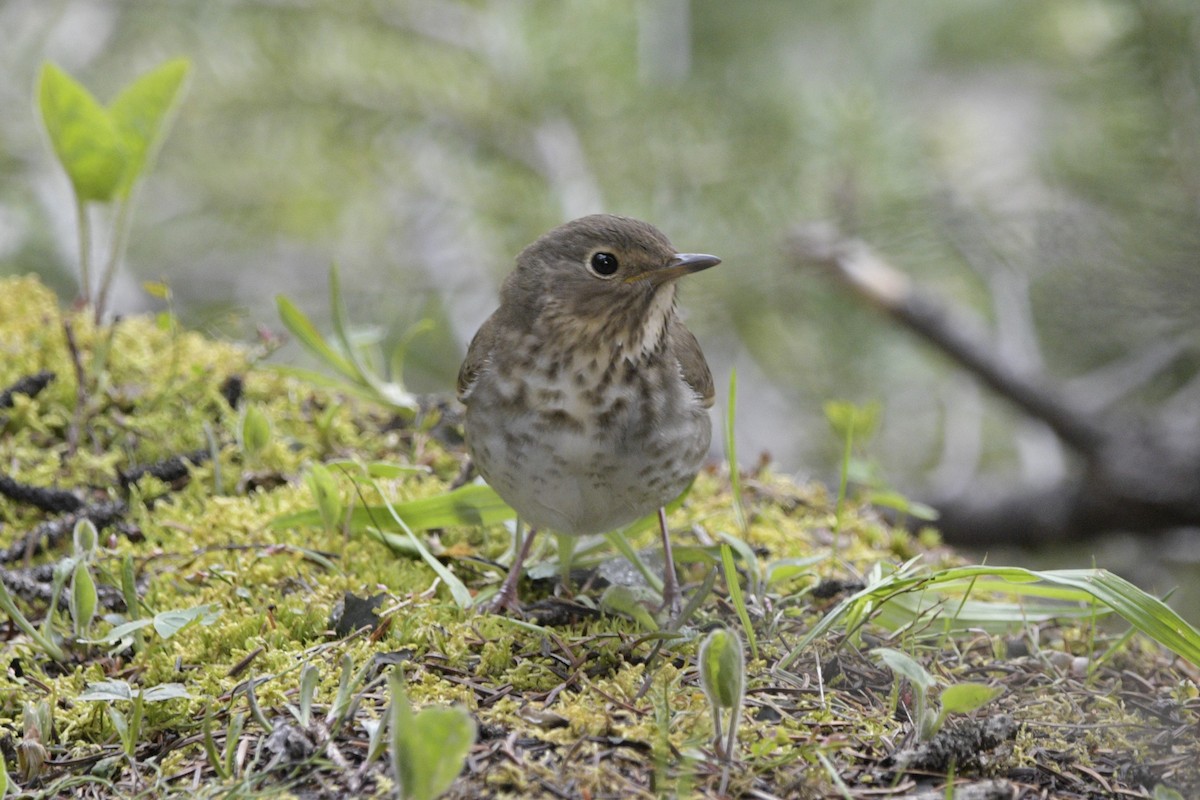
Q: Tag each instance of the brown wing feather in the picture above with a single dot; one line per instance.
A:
(478, 352)
(692, 364)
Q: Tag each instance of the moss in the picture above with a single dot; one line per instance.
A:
(601, 725)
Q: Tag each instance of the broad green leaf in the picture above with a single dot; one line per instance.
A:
(850, 420)
(165, 691)
(905, 666)
(428, 748)
(169, 623)
(113, 690)
(142, 116)
(107, 691)
(83, 135)
(963, 698)
(631, 602)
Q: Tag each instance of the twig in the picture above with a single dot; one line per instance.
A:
(49, 534)
(1138, 475)
(30, 385)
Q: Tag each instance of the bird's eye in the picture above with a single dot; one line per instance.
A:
(604, 264)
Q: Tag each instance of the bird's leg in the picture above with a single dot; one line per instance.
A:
(506, 598)
(670, 591)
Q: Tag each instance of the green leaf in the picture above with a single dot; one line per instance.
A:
(722, 669)
(735, 588)
(84, 537)
(325, 494)
(84, 137)
(474, 504)
(256, 430)
(142, 115)
(906, 666)
(114, 690)
(3, 778)
(849, 420)
(165, 691)
(83, 598)
(311, 339)
(896, 501)
(169, 623)
(429, 748)
(1097, 587)
(631, 602)
(106, 692)
(963, 698)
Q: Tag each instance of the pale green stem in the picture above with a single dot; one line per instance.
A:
(85, 249)
(116, 254)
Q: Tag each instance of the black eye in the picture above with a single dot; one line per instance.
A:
(604, 264)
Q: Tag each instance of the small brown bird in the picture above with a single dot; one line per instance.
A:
(587, 399)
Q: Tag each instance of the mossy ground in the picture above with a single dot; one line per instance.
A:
(589, 707)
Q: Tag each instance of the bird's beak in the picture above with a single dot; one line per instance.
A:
(681, 264)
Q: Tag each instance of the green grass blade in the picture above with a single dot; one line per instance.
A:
(310, 338)
(475, 504)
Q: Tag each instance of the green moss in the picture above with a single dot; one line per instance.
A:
(579, 691)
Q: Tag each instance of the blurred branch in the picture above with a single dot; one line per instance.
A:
(1137, 475)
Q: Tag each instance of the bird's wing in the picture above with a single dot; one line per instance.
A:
(692, 364)
(479, 351)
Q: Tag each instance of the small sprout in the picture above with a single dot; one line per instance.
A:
(429, 748)
(104, 151)
(85, 538)
(326, 495)
(309, 675)
(631, 602)
(956, 698)
(345, 701)
(132, 602)
(84, 598)
(255, 432)
(44, 640)
(723, 678)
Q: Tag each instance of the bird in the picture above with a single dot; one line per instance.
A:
(587, 400)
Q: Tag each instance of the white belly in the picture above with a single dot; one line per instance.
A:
(572, 473)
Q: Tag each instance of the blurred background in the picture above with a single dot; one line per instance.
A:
(1035, 163)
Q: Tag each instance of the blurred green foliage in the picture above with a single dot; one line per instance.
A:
(422, 143)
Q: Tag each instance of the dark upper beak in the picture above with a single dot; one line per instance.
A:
(679, 265)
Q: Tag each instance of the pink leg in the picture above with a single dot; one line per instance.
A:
(670, 591)
(506, 598)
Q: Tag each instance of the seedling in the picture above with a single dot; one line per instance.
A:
(429, 748)
(723, 678)
(358, 367)
(956, 698)
(104, 151)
